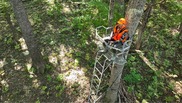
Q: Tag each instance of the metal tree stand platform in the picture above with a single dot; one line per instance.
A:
(106, 57)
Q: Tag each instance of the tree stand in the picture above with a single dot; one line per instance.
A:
(107, 57)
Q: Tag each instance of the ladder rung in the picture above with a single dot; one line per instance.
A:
(98, 71)
(107, 67)
(96, 76)
(99, 64)
(97, 80)
(98, 58)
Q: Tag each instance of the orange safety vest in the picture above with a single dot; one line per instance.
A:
(118, 32)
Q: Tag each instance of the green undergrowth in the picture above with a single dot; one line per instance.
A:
(147, 84)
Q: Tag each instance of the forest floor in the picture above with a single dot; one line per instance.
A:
(65, 84)
(67, 77)
(71, 64)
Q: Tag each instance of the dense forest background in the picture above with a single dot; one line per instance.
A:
(64, 32)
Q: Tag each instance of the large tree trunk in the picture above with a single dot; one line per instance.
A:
(25, 26)
(111, 11)
(114, 82)
(133, 15)
(143, 24)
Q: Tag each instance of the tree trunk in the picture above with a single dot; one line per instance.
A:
(25, 26)
(114, 82)
(111, 11)
(133, 15)
(143, 24)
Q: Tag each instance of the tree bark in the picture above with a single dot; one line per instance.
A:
(114, 82)
(146, 16)
(111, 11)
(31, 42)
(133, 15)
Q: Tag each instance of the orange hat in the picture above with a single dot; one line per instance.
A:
(122, 21)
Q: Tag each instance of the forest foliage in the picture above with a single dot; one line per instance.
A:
(72, 23)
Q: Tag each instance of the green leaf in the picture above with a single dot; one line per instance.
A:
(132, 58)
